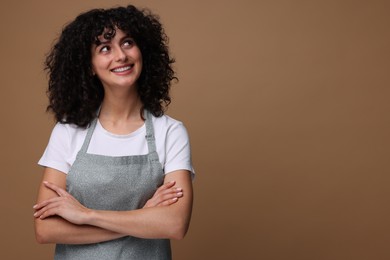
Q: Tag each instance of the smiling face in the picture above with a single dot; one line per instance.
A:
(117, 61)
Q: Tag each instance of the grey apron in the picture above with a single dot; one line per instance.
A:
(116, 183)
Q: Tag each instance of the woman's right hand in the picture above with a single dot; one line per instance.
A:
(165, 195)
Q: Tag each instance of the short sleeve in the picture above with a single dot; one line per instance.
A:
(178, 150)
(57, 150)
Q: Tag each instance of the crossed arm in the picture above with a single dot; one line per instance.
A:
(60, 218)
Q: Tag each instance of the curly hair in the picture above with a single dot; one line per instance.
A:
(75, 93)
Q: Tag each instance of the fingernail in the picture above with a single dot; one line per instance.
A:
(34, 206)
(180, 194)
(179, 189)
(174, 199)
(35, 214)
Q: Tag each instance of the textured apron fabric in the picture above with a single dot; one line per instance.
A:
(116, 183)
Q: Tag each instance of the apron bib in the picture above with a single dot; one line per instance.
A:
(116, 183)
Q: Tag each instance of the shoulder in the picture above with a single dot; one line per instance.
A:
(167, 123)
(166, 120)
(67, 136)
(168, 128)
(67, 131)
(170, 131)
(64, 143)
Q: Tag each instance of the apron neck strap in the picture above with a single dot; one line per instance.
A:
(149, 133)
(87, 139)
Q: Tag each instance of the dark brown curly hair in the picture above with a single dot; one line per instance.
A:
(75, 93)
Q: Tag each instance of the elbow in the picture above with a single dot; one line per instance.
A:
(178, 236)
(40, 239)
(41, 235)
(179, 230)
(179, 226)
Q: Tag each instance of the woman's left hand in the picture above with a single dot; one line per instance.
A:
(65, 206)
(165, 195)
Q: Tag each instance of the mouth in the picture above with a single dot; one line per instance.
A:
(123, 68)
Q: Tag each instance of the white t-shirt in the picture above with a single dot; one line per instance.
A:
(172, 144)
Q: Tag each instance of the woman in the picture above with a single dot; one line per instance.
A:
(117, 171)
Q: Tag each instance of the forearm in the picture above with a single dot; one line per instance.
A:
(59, 231)
(90, 226)
(158, 222)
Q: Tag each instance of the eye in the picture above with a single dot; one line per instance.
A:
(105, 48)
(128, 43)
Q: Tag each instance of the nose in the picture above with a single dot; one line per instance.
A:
(120, 55)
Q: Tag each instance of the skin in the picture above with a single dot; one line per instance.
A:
(60, 218)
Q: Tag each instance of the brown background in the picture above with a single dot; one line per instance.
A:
(287, 106)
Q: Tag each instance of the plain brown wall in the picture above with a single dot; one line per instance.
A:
(287, 106)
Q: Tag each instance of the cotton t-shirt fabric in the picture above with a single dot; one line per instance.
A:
(172, 144)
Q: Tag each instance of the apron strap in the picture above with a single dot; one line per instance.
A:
(150, 139)
(87, 139)
(150, 136)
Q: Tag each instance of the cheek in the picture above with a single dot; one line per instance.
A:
(140, 59)
(94, 65)
(137, 53)
(138, 56)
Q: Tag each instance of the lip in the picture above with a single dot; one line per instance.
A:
(123, 70)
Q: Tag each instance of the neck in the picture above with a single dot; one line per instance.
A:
(121, 115)
(117, 108)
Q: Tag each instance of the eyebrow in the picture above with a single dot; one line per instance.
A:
(98, 42)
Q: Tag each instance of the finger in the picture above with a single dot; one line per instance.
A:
(49, 203)
(39, 213)
(48, 213)
(58, 190)
(168, 184)
(52, 208)
(46, 202)
(165, 186)
(167, 198)
(168, 202)
(163, 190)
(169, 191)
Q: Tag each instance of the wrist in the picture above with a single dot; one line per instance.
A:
(89, 216)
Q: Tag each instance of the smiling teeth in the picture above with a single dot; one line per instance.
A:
(121, 69)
